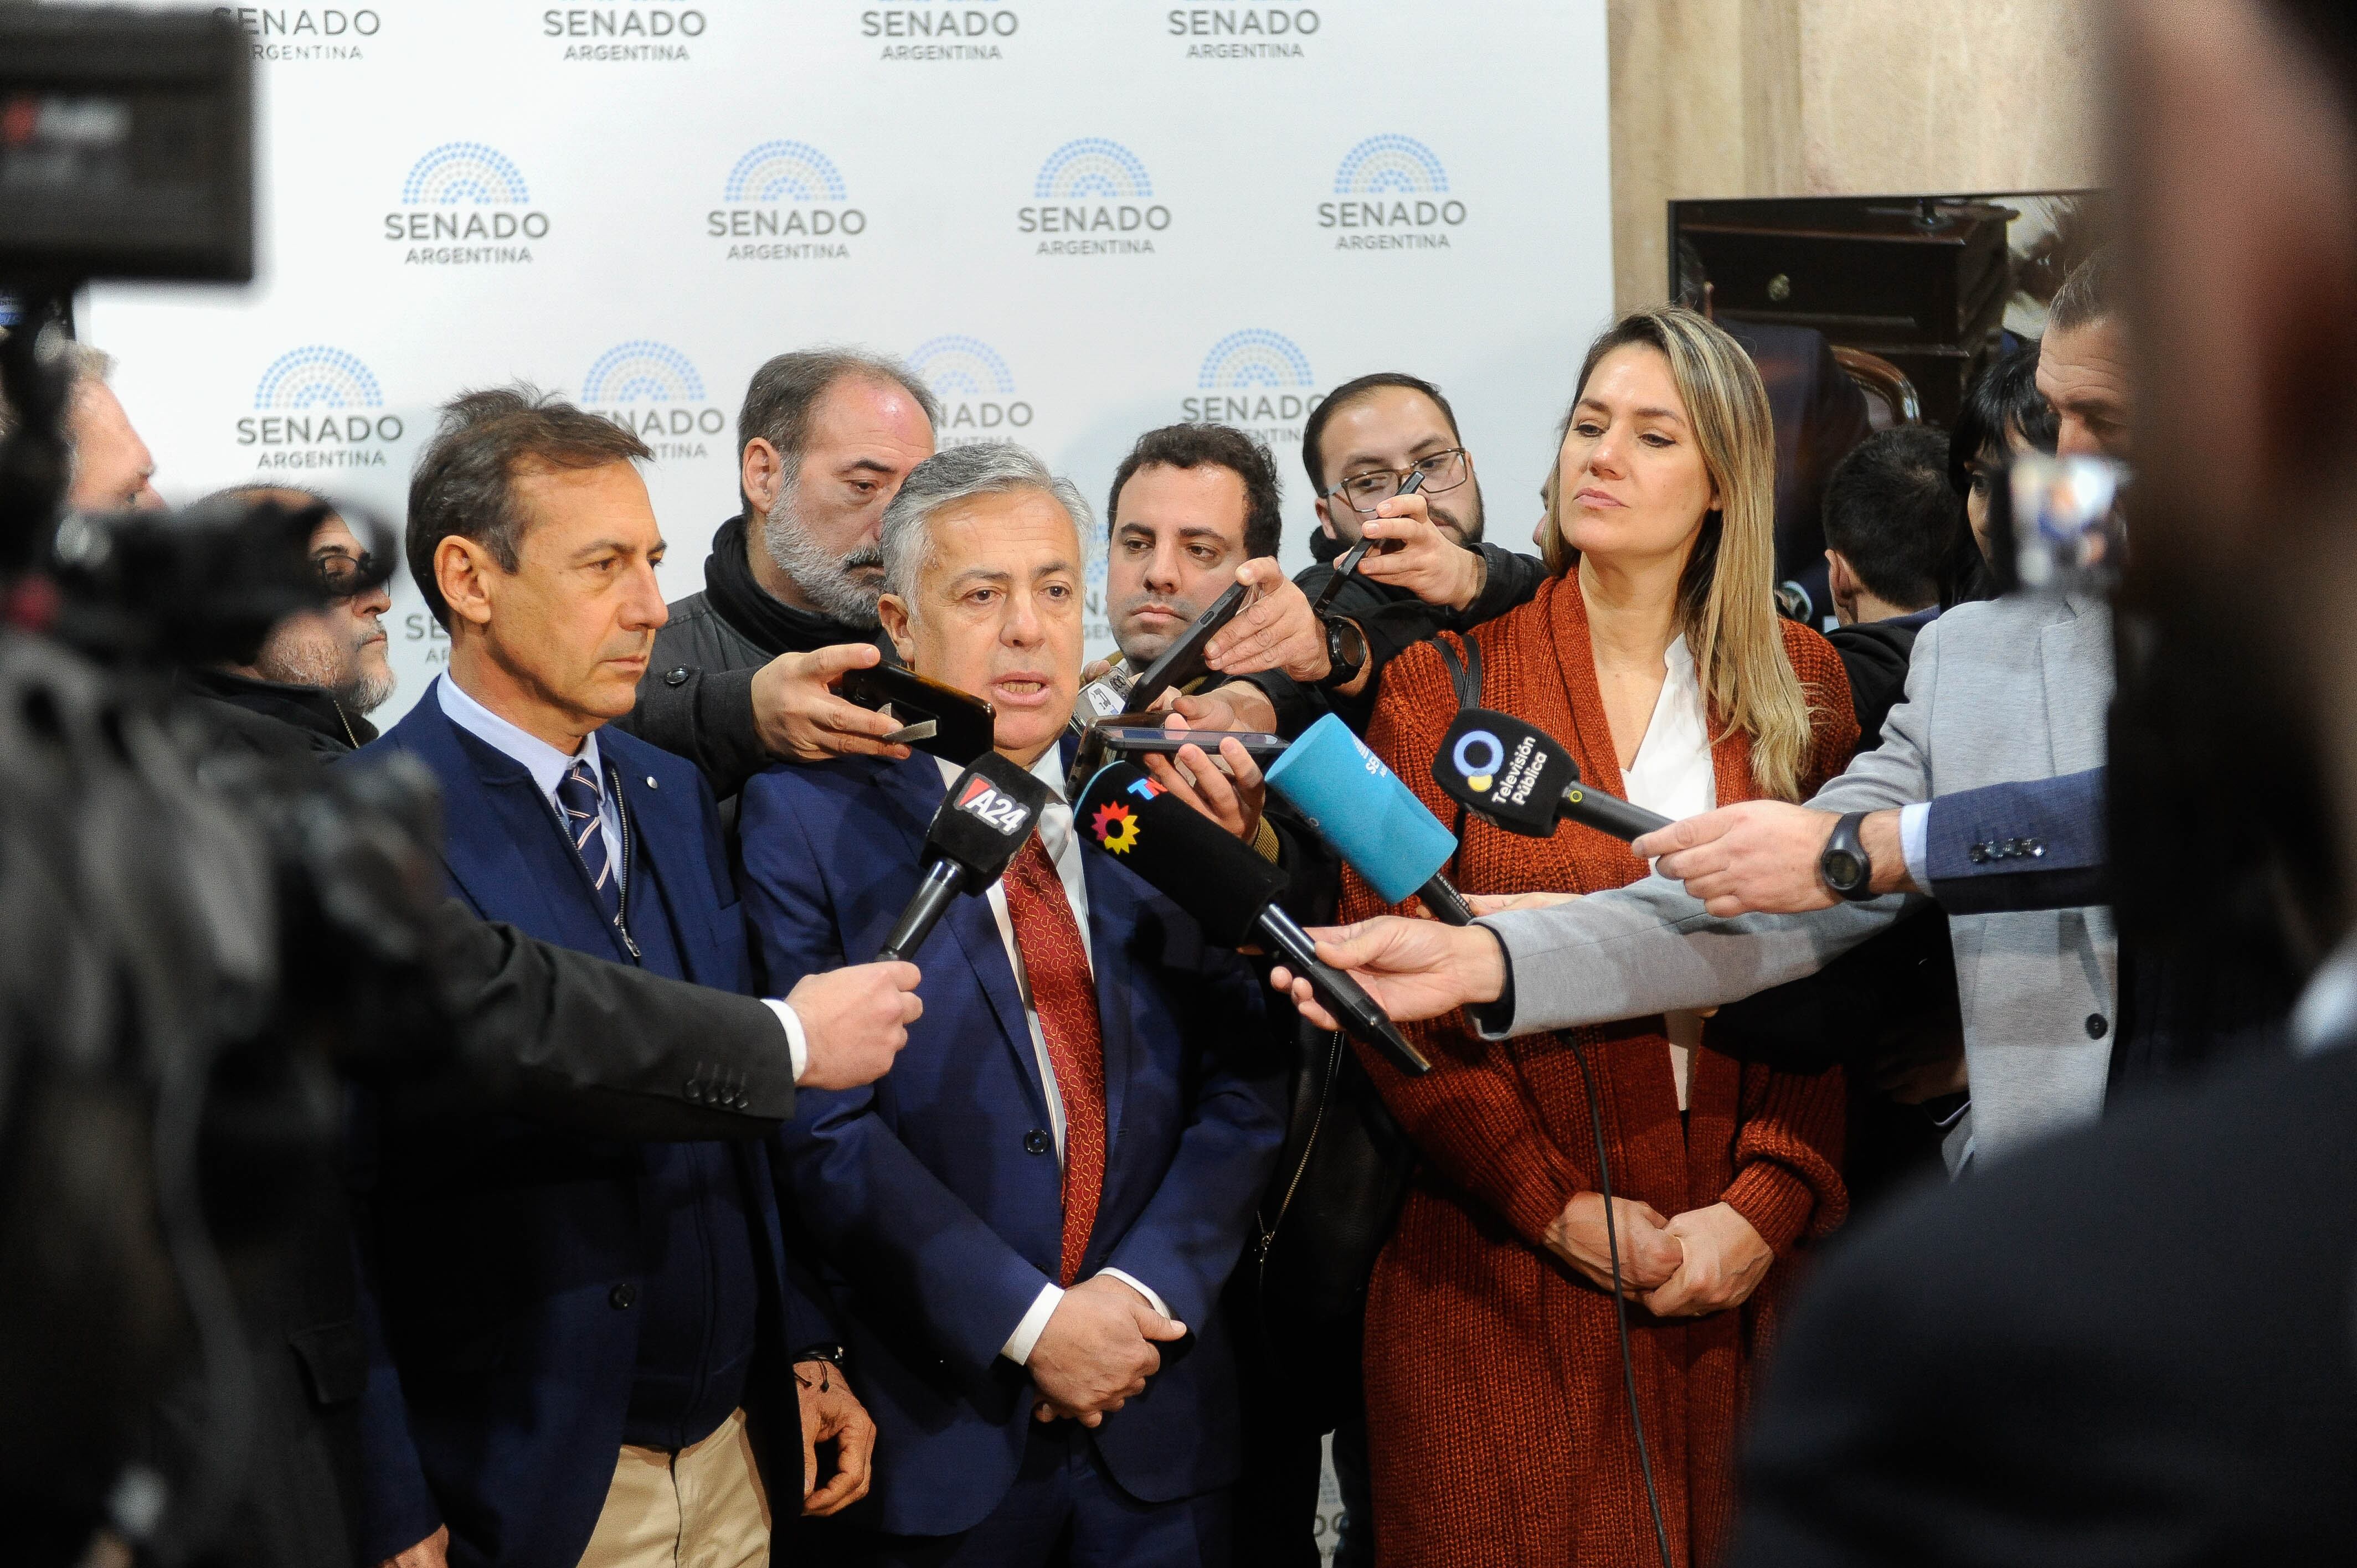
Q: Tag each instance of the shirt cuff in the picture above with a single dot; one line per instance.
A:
(1915, 841)
(797, 1042)
(1142, 1288)
(1020, 1344)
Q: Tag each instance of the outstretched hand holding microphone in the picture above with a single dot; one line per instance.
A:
(1509, 774)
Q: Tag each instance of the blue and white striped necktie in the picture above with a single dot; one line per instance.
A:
(577, 794)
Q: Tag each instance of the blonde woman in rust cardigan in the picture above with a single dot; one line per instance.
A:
(1500, 1430)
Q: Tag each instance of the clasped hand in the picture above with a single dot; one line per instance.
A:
(1097, 1351)
(1705, 1261)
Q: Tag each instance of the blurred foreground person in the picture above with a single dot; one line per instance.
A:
(2135, 1345)
(1030, 1224)
(1495, 1412)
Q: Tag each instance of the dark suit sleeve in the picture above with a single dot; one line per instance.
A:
(612, 1050)
(706, 718)
(2063, 817)
(876, 1209)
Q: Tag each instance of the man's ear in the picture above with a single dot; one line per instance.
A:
(762, 472)
(463, 570)
(892, 611)
(1324, 521)
(1841, 581)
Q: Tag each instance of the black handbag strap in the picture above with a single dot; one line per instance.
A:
(1465, 675)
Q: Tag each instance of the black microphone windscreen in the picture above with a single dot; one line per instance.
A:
(1504, 771)
(1177, 851)
(988, 812)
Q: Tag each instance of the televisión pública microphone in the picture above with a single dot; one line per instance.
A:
(1372, 820)
(1517, 777)
(984, 820)
(1231, 891)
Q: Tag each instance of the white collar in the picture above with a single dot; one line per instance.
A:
(546, 764)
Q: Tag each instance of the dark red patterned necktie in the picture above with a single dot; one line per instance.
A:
(1063, 994)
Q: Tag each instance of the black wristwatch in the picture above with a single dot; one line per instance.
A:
(1346, 651)
(1845, 866)
(831, 1354)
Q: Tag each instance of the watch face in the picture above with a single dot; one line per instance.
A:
(1842, 869)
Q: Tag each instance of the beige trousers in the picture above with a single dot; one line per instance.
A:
(702, 1507)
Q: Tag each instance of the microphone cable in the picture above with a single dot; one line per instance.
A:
(1620, 1302)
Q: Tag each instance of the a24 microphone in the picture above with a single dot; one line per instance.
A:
(1372, 820)
(1231, 891)
(983, 820)
(1518, 777)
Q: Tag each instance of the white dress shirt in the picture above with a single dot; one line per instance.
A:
(548, 766)
(1063, 847)
(1672, 774)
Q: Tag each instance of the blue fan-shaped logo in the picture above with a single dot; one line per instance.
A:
(1254, 358)
(962, 367)
(785, 171)
(642, 370)
(1090, 168)
(1389, 165)
(464, 171)
(317, 376)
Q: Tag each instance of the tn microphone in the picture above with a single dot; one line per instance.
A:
(1518, 777)
(1372, 820)
(1231, 891)
(984, 820)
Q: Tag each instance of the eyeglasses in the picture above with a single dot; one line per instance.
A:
(342, 575)
(1365, 491)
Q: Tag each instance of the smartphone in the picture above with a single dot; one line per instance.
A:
(1348, 561)
(964, 726)
(1260, 746)
(1183, 660)
(2057, 525)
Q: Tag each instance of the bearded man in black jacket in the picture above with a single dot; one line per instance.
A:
(742, 675)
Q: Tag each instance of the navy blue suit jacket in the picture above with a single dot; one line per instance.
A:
(501, 1258)
(1978, 842)
(941, 1210)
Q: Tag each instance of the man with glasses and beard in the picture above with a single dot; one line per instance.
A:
(1430, 571)
(318, 675)
(743, 674)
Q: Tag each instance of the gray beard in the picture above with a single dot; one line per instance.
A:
(833, 582)
(295, 657)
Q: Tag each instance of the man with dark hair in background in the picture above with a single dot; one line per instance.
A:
(589, 1353)
(742, 675)
(1891, 523)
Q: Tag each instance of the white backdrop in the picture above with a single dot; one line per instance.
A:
(1079, 218)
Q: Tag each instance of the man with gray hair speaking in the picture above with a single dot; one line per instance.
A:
(1031, 1224)
(741, 676)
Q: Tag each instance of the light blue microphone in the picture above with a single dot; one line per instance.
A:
(1372, 820)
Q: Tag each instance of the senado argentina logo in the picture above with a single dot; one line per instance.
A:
(785, 201)
(464, 204)
(976, 30)
(1241, 32)
(1094, 198)
(318, 407)
(636, 30)
(1256, 379)
(304, 34)
(653, 390)
(975, 388)
(1391, 193)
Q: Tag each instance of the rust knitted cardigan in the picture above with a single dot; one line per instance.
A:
(1495, 1409)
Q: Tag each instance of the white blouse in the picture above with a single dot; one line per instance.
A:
(1672, 774)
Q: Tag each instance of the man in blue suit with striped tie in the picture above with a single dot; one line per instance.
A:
(583, 1350)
